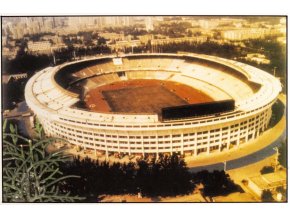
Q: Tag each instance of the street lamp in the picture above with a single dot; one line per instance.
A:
(225, 166)
(276, 158)
(133, 45)
(274, 71)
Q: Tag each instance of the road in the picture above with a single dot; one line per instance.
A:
(243, 161)
(254, 157)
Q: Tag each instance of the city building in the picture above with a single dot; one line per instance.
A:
(10, 53)
(208, 23)
(149, 24)
(144, 39)
(269, 181)
(41, 47)
(112, 36)
(7, 78)
(117, 21)
(248, 33)
(126, 44)
(197, 39)
(258, 58)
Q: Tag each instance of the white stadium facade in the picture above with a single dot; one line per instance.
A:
(53, 93)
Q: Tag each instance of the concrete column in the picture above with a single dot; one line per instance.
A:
(182, 145)
(208, 142)
(171, 145)
(239, 135)
(118, 141)
(95, 148)
(143, 149)
(83, 139)
(106, 146)
(257, 126)
(143, 144)
(128, 141)
(220, 140)
(129, 150)
(229, 138)
(129, 146)
(195, 151)
(195, 144)
(247, 132)
(157, 154)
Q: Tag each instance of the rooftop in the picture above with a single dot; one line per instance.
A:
(270, 180)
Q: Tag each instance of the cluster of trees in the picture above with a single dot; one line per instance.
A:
(277, 113)
(38, 36)
(282, 158)
(267, 195)
(27, 63)
(216, 183)
(167, 176)
(173, 29)
(13, 93)
(135, 30)
(208, 47)
(82, 37)
(274, 51)
(267, 169)
(69, 53)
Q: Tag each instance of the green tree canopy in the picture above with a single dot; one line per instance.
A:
(30, 174)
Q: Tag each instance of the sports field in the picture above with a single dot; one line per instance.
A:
(142, 96)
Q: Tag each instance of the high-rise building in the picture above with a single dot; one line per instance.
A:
(149, 23)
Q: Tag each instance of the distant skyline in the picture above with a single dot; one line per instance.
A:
(17, 27)
(43, 35)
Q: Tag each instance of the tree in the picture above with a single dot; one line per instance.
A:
(281, 190)
(30, 174)
(13, 93)
(25, 62)
(166, 176)
(278, 109)
(282, 158)
(101, 41)
(267, 169)
(216, 183)
(267, 196)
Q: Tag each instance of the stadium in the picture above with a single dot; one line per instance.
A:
(148, 104)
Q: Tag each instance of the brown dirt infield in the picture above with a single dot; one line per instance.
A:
(142, 96)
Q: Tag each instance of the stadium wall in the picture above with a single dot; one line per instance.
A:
(106, 134)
